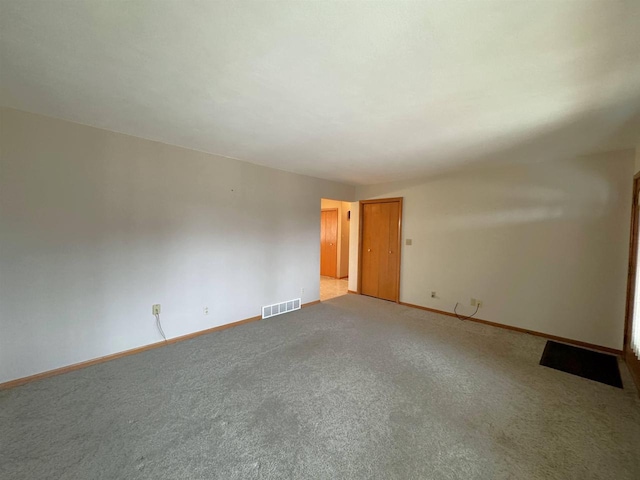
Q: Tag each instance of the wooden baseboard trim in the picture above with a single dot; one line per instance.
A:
(77, 366)
(352, 292)
(310, 304)
(633, 363)
(522, 330)
(342, 278)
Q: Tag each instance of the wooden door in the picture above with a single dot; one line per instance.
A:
(329, 243)
(371, 248)
(380, 222)
(388, 275)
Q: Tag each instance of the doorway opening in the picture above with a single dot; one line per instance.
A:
(334, 248)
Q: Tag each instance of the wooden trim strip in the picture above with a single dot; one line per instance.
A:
(521, 330)
(631, 273)
(352, 292)
(310, 304)
(399, 248)
(77, 366)
(360, 230)
(629, 355)
(383, 200)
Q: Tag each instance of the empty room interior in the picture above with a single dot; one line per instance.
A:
(319, 239)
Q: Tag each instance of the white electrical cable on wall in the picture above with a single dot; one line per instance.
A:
(159, 325)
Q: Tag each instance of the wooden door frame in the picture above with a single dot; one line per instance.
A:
(399, 245)
(337, 210)
(629, 355)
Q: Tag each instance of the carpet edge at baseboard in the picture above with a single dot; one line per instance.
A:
(579, 343)
(125, 353)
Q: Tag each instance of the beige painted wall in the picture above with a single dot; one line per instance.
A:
(97, 226)
(545, 246)
(342, 267)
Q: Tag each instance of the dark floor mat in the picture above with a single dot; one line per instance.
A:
(600, 367)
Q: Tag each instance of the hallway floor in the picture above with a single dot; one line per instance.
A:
(332, 287)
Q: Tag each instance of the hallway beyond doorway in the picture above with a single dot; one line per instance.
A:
(332, 287)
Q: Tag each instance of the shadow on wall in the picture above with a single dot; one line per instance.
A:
(518, 196)
(574, 189)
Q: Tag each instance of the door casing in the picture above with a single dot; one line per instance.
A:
(629, 355)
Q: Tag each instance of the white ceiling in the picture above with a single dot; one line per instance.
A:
(362, 92)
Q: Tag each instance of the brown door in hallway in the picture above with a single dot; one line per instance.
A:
(380, 222)
(329, 243)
